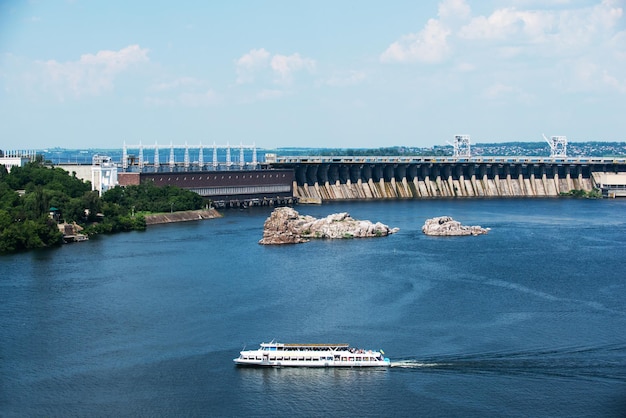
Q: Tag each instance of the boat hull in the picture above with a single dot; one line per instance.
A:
(312, 363)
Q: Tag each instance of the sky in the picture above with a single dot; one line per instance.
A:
(325, 73)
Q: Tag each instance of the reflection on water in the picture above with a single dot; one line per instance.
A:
(303, 379)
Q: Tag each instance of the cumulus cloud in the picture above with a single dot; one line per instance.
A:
(183, 91)
(525, 35)
(504, 23)
(465, 67)
(585, 37)
(429, 45)
(589, 76)
(178, 83)
(613, 82)
(284, 66)
(270, 94)
(501, 91)
(184, 99)
(92, 74)
(559, 29)
(258, 62)
(197, 99)
(454, 9)
(343, 79)
(249, 64)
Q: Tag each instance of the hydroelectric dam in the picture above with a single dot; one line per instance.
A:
(228, 180)
(319, 178)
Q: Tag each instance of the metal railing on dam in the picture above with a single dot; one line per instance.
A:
(390, 177)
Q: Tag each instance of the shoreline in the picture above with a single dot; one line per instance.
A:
(182, 216)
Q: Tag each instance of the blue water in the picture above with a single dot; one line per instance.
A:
(529, 320)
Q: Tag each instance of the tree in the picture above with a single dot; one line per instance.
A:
(24, 217)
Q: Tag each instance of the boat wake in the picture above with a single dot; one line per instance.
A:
(592, 363)
(415, 364)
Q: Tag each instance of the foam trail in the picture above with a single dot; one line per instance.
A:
(415, 364)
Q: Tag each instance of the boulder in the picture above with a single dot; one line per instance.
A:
(286, 226)
(446, 226)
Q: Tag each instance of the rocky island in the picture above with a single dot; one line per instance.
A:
(446, 226)
(286, 226)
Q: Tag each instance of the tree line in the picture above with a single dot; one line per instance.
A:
(35, 198)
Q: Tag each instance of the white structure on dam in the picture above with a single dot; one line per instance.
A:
(193, 159)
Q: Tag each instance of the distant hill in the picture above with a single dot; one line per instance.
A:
(574, 149)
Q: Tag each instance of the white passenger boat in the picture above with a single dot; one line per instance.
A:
(311, 355)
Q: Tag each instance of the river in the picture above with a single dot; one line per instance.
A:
(528, 320)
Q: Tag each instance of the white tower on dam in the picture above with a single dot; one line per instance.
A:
(558, 146)
(461, 146)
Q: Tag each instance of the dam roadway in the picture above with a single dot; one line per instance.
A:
(319, 178)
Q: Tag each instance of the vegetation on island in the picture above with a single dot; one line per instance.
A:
(36, 198)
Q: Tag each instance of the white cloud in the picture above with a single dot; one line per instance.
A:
(568, 46)
(508, 22)
(349, 78)
(192, 99)
(185, 99)
(500, 91)
(429, 45)
(613, 82)
(258, 62)
(183, 91)
(181, 82)
(92, 74)
(587, 76)
(560, 30)
(618, 45)
(497, 90)
(270, 94)
(465, 67)
(249, 64)
(454, 9)
(284, 66)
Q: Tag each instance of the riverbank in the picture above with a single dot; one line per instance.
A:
(182, 216)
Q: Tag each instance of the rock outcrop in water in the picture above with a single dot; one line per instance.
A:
(286, 226)
(446, 226)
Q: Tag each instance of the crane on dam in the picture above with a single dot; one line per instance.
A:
(558, 146)
(461, 146)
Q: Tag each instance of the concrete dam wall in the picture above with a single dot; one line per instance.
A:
(395, 180)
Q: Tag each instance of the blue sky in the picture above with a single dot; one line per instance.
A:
(274, 73)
